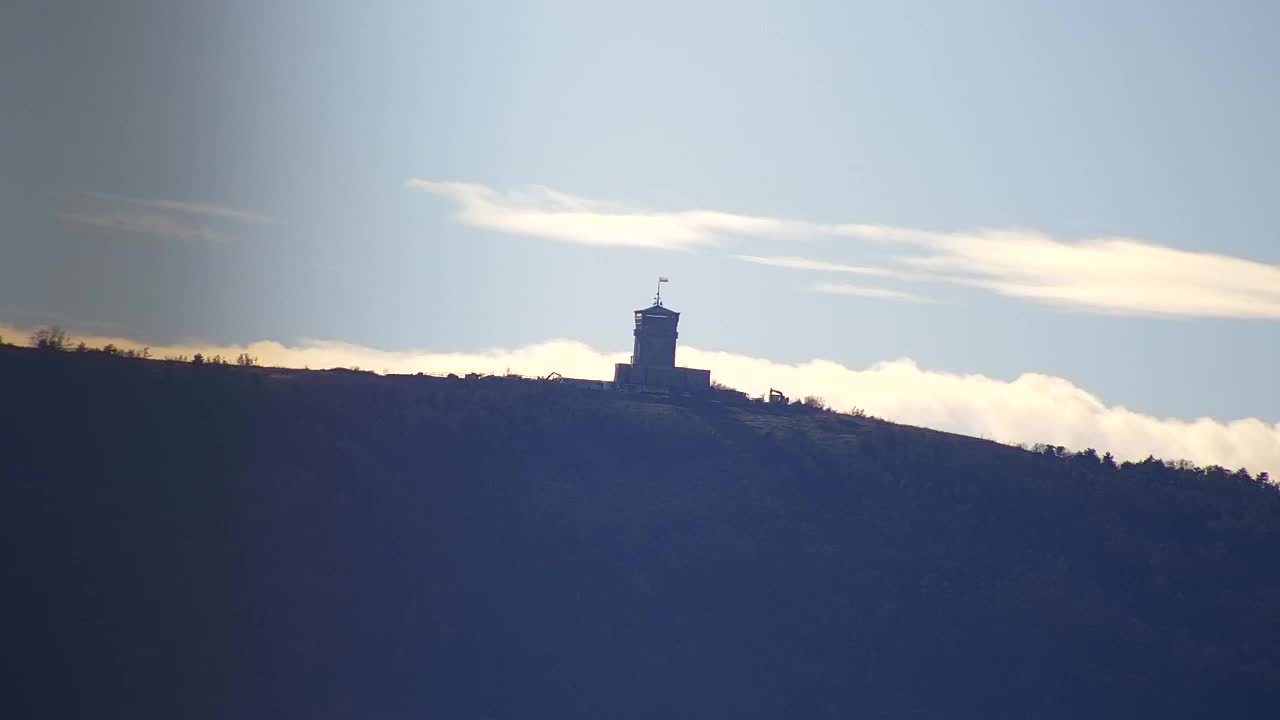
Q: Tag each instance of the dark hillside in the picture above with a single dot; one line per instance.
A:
(216, 541)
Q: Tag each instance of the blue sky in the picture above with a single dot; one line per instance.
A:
(1083, 191)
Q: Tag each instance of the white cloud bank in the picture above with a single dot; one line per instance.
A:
(1032, 408)
(1102, 274)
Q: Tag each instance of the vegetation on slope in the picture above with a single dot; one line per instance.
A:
(222, 541)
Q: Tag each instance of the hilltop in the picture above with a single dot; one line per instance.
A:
(221, 541)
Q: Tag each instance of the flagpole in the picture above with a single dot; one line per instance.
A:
(657, 299)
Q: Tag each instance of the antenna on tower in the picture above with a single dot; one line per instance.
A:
(657, 299)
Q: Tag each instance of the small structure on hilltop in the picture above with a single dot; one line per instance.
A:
(653, 357)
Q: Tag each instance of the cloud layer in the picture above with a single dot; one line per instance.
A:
(1101, 274)
(1031, 408)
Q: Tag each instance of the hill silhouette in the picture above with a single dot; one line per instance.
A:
(221, 541)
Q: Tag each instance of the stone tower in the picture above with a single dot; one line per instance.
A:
(655, 337)
(653, 357)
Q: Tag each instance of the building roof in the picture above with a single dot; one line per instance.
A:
(658, 310)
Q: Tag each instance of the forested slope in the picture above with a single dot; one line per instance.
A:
(216, 541)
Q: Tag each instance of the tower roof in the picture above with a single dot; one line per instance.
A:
(656, 309)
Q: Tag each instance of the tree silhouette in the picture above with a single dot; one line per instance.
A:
(814, 401)
(50, 338)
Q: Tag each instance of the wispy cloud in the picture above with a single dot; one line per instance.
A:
(136, 223)
(553, 215)
(800, 263)
(826, 266)
(190, 208)
(1031, 408)
(874, 293)
(190, 221)
(1120, 275)
(1104, 274)
(1111, 275)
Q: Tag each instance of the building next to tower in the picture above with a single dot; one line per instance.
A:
(653, 357)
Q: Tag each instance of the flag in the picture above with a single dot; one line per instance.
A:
(663, 279)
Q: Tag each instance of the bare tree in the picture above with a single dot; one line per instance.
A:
(50, 338)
